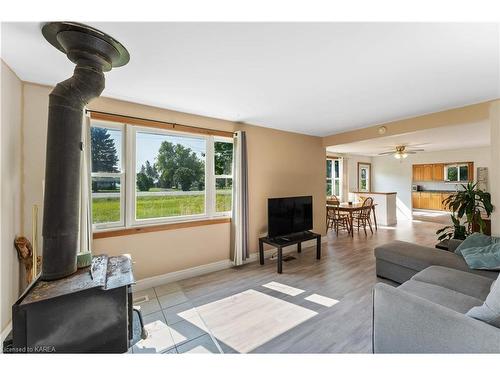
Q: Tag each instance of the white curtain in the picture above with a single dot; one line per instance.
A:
(85, 190)
(239, 220)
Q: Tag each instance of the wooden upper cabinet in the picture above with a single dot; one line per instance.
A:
(427, 172)
(438, 172)
(470, 167)
(418, 172)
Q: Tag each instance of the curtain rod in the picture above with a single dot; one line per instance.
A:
(159, 121)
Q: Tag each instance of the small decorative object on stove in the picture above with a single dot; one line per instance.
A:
(25, 256)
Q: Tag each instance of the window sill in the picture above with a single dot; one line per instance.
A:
(158, 227)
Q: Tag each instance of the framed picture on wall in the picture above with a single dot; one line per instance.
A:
(364, 176)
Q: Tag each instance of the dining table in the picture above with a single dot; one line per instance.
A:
(351, 208)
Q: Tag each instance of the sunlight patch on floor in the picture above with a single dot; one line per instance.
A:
(247, 320)
(321, 300)
(159, 339)
(290, 290)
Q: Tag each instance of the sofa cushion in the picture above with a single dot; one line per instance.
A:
(476, 240)
(484, 257)
(463, 282)
(451, 299)
(419, 257)
(489, 311)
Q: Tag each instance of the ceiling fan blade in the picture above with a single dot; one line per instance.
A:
(387, 153)
(410, 152)
(415, 149)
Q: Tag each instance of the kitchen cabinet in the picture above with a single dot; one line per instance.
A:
(435, 201)
(415, 199)
(418, 172)
(427, 172)
(443, 172)
(438, 172)
(427, 200)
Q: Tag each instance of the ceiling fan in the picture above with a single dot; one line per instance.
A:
(401, 152)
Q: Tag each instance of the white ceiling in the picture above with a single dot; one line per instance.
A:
(312, 78)
(436, 139)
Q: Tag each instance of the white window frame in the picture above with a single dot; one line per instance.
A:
(216, 176)
(132, 197)
(122, 174)
(368, 172)
(128, 177)
(333, 179)
(446, 167)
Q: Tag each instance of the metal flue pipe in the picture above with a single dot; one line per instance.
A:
(94, 53)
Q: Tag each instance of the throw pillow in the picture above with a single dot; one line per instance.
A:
(483, 258)
(475, 240)
(489, 311)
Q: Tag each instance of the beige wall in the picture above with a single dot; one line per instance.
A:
(280, 164)
(495, 162)
(463, 115)
(10, 189)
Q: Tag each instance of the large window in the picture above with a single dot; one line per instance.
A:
(108, 174)
(333, 177)
(223, 164)
(171, 176)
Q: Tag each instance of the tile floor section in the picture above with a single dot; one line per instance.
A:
(175, 325)
(168, 332)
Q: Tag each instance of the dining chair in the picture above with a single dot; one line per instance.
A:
(363, 216)
(337, 220)
(332, 199)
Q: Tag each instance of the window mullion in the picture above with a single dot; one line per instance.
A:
(130, 168)
(210, 178)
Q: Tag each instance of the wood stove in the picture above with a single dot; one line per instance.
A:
(70, 310)
(88, 312)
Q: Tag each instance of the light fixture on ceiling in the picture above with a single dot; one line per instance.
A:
(401, 155)
(401, 152)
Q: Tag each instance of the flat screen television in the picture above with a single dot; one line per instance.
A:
(289, 215)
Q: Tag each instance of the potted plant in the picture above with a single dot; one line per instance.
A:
(470, 203)
(456, 231)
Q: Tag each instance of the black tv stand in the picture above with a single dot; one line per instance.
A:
(288, 240)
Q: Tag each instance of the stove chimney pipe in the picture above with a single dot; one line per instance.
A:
(94, 53)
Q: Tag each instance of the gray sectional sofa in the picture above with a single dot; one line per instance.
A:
(427, 312)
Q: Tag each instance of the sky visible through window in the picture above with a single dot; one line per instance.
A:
(148, 145)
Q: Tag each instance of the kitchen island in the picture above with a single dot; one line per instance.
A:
(386, 205)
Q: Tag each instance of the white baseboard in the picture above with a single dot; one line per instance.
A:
(151, 282)
(170, 277)
(6, 331)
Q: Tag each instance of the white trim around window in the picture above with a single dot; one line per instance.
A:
(128, 178)
(121, 175)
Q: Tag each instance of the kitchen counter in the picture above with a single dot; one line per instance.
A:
(386, 205)
(435, 191)
(372, 192)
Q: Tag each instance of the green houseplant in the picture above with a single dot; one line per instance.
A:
(469, 203)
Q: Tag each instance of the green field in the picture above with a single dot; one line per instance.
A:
(108, 209)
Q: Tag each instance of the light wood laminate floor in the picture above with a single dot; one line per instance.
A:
(313, 307)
